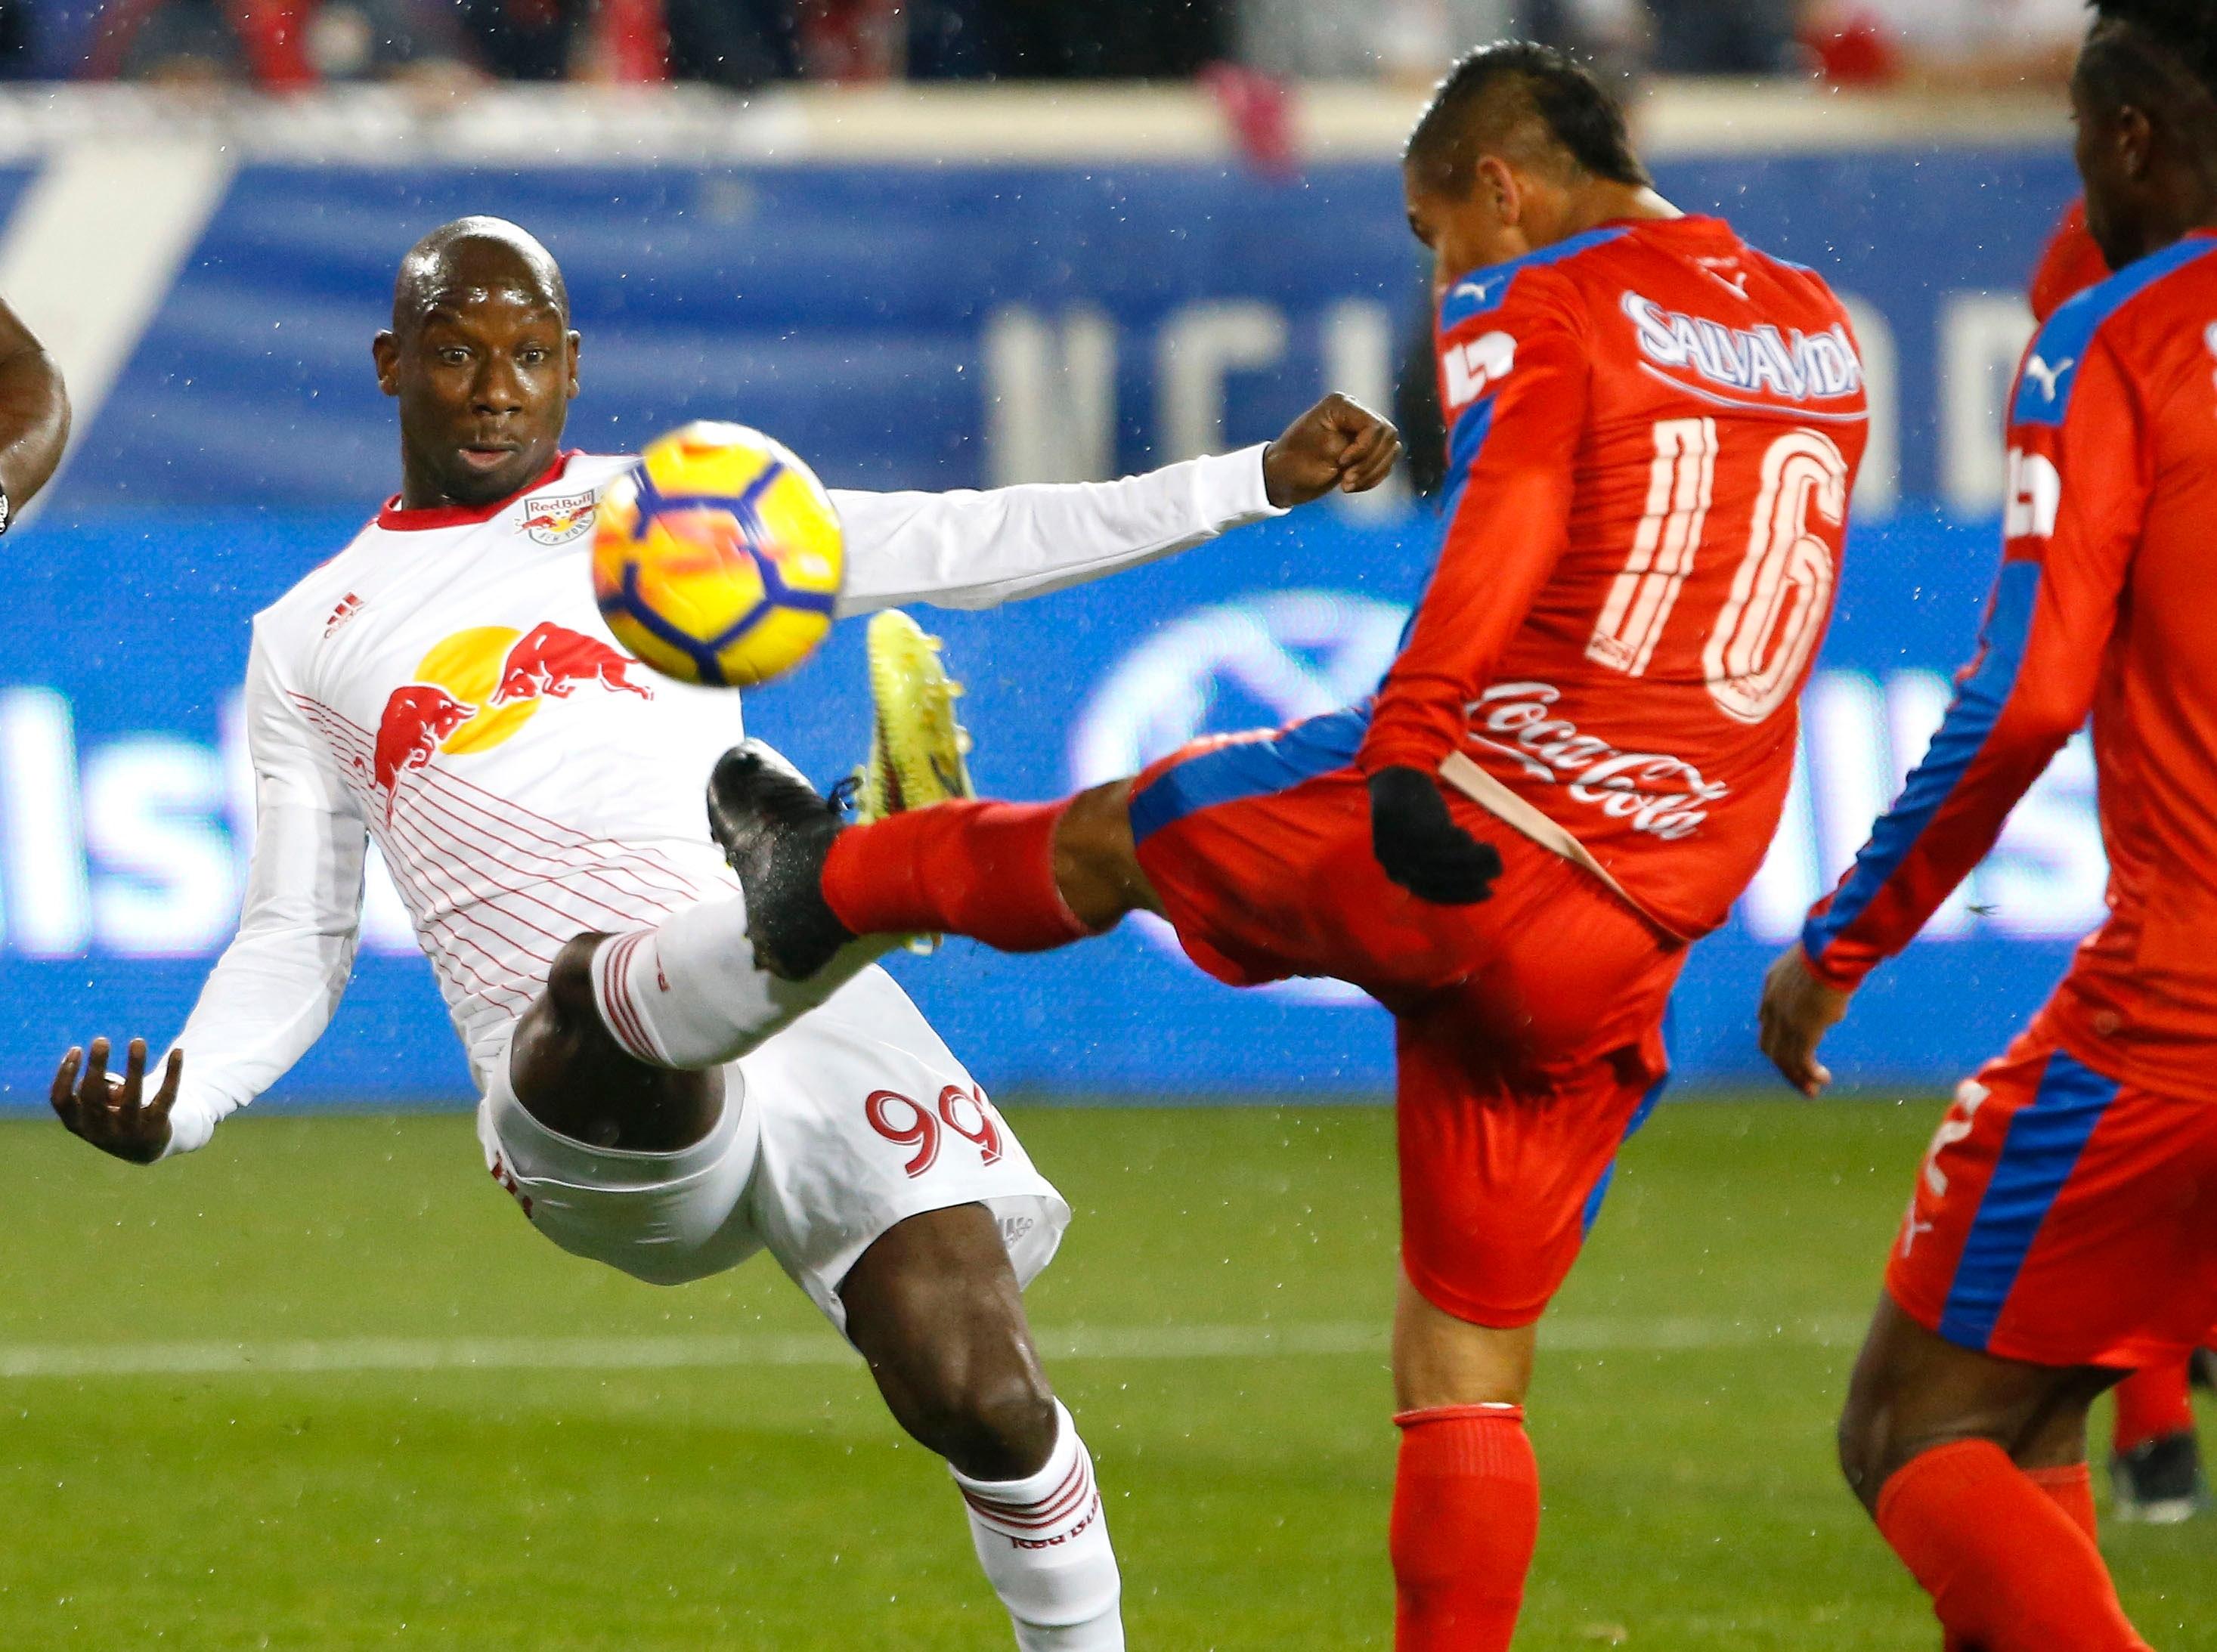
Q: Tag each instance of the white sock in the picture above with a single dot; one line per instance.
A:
(1044, 1544)
(689, 995)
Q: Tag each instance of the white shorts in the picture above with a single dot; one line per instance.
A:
(853, 1119)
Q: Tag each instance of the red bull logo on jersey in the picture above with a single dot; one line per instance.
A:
(418, 718)
(477, 688)
(558, 519)
(552, 661)
(1757, 360)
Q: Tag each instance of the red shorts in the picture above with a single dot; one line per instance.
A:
(1530, 1036)
(2063, 1218)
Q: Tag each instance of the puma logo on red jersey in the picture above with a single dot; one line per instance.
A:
(2050, 378)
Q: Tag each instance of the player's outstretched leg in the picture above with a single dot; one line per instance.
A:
(935, 1307)
(1976, 1470)
(999, 872)
(927, 857)
(622, 1049)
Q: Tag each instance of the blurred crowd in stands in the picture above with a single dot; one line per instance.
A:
(278, 44)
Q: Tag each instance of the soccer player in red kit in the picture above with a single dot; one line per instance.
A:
(2063, 1227)
(2155, 1465)
(1574, 766)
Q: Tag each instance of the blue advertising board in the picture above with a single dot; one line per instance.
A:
(876, 318)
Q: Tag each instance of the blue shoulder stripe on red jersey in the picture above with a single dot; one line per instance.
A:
(1482, 291)
(2051, 371)
(1465, 442)
(1977, 707)
(2040, 1151)
(1250, 769)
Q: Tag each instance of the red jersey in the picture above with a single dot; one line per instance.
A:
(2072, 262)
(2105, 603)
(1653, 434)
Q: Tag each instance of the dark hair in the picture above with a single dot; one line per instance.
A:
(2160, 55)
(1495, 89)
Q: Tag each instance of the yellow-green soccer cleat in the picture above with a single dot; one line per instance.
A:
(916, 748)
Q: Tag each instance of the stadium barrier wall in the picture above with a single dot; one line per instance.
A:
(1014, 313)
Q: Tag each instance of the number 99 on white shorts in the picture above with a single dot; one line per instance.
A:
(852, 1120)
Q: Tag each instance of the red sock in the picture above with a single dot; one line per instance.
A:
(2007, 1568)
(980, 869)
(1466, 1515)
(2071, 1490)
(2154, 1401)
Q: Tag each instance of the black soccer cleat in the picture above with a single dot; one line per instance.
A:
(775, 830)
(2159, 1481)
(2203, 1368)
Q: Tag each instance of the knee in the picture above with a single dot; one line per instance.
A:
(570, 980)
(1096, 864)
(1873, 1440)
(992, 1420)
(560, 1029)
(1858, 1441)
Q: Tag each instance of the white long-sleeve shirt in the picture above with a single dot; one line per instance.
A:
(445, 687)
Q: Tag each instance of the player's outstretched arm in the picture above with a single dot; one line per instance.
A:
(34, 412)
(115, 1115)
(274, 989)
(977, 550)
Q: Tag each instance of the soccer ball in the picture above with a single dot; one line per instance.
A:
(717, 558)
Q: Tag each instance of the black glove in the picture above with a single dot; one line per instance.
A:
(1421, 848)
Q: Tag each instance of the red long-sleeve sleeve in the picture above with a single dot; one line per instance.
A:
(1514, 383)
(2080, 478)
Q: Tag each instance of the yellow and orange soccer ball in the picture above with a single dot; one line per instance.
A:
(718, 558)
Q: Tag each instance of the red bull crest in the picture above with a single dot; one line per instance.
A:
(559, 519)
(477, 687)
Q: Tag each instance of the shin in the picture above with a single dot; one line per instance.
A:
(1974, 1468)
(689, 995)
(1467, 1488)
(1022, 877)
(935, 1308)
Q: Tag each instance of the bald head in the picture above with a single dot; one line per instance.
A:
(472, 256)
(482, 360)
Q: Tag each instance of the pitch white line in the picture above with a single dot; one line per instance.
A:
(352, 1354)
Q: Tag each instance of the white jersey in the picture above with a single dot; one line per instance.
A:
(445, 688)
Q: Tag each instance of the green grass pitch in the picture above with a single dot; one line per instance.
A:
(236, 1408)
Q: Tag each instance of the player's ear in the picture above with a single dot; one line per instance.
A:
(2136, 138)
(1497, 187)
(384, 350)
(577, 344)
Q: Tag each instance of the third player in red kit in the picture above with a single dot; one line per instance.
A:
(2063, 1228)
(1573, 768)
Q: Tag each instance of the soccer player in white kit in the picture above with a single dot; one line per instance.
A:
(445, 688)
